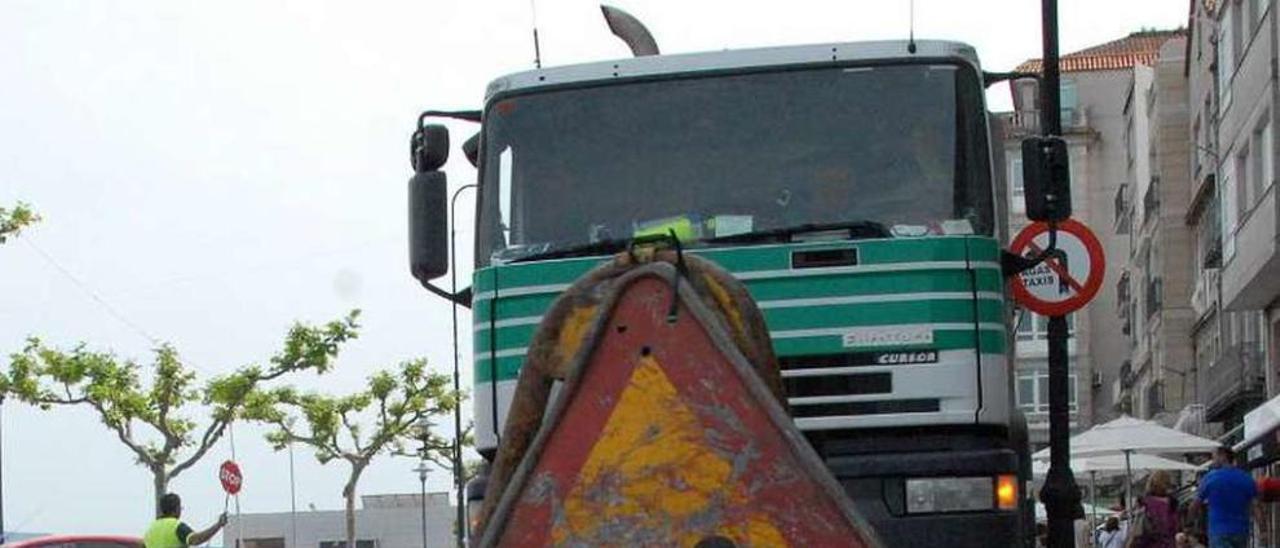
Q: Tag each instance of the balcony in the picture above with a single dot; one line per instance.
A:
(1235, 383)
(1249, 279)
(1026, 122)
(1121, 207)
(1155, 296)
(1153, 397)
(1122, 293)
(1205, 294)
(1151, 201)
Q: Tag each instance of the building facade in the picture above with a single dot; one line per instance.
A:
(384, 521)
(1095, 82)
(1231, 77)
(1156, 275)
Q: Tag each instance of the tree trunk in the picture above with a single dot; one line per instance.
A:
(159, 485)
(349, 493)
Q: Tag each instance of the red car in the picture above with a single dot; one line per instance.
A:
(79, 541)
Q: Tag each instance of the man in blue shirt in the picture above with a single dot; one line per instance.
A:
(1229, 493)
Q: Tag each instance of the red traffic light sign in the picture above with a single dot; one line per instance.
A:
(229, 475)
(1063, 283)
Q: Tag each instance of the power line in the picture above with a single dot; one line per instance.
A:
(83, 287)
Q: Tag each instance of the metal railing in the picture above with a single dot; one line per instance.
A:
(1027, 121)
(1239, 375)
(1121, 204)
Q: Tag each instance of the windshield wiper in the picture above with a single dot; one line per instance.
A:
(600, 247)
(853, 230)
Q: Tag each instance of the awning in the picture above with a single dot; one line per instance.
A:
(1260, 422)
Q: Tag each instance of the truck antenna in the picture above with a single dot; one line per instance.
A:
(537, 50)
(911, 27)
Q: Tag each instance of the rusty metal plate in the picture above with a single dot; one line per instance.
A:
(665, 436)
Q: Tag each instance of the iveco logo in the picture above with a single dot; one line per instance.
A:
(897, 358)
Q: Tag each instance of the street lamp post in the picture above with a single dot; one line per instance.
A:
(424, 435)
(422, 478)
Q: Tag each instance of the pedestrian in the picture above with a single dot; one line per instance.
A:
(1155, 520)
(168, 531)
(1188, 539)
(1111, 535)
(1229, 493)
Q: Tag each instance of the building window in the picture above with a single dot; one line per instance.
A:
(1067, 103)
(1239, 33)
(1206, 345)
(1242, 182)
(1034, 327)
(1226, 56)
(1198, 146)
(1260, 162)
(1228, 209)
(343, 544)
(1256, 9)
(1128, 141)
(1033, 391)
(1209, 237)
(277, 542)
(1015, 176)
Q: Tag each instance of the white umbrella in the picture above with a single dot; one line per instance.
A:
(1127, 437)
(1042, 514)
(1112, 465)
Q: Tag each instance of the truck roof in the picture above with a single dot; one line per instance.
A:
(689, 63)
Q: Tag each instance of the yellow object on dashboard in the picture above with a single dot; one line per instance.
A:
(686, 228)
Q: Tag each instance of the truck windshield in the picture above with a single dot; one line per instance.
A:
(904, 146)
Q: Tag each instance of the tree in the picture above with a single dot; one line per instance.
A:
(395, 401)
(12, 221)
(162, 406)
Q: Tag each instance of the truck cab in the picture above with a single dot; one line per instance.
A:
(850, 186)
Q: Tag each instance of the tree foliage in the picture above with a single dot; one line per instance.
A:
(12, 221)
(391, 405)
(155, 418)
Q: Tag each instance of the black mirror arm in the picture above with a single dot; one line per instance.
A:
(465, 115)
(1012, 264)
(463, 297)
(991, 78)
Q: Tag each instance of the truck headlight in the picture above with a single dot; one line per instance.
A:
(931, 495)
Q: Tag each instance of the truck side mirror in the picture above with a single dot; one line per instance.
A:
(471, 148)
(428, 207)
(1046, 179)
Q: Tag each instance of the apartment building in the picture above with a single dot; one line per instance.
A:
(1095, 82)
(1231, 71)
(1156, 274)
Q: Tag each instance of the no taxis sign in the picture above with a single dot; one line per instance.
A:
(1066, 280)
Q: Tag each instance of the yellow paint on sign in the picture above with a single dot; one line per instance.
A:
(652, 470)
(572, 333)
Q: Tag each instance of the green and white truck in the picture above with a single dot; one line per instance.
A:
(853, 188)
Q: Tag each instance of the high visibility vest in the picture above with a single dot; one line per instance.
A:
(163, 533)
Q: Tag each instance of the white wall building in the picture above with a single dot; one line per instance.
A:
(384, 521)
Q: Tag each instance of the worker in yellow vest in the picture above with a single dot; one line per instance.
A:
(170, 532)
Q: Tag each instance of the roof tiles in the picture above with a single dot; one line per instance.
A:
(1137, 48)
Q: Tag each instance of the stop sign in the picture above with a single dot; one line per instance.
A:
(229, 475)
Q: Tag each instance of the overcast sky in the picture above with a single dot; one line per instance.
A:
(209, 172)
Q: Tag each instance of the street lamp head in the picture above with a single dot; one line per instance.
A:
(422, 469)
(423, 428)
